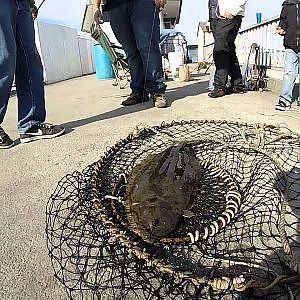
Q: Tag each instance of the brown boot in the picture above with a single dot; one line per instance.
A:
(160, 101)
(216, 93)
(135, 98)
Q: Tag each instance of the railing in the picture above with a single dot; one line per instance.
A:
(271, 50)
(208, 52)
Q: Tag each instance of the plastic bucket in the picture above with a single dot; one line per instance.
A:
(104, 69)
(258, 18)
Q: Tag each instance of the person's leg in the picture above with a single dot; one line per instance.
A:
(8, 13)
(29, 72)
(145, 24)
(121, 26)
(291, 67)
(221, 52)
(234, 66)
(298, 69)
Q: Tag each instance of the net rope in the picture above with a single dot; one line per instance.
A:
(246, 245)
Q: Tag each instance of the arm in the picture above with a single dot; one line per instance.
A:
(239, 5)
(283, 23)
(97, 12)
(230, 8)
(160, 3)
(96, 5)
(34, 10)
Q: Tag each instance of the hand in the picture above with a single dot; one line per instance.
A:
(280, 31)
(98, 18)
(228, 15)
(160, 3)
(34, 12)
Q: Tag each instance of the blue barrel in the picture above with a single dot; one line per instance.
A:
(104, 69)
(258, 17)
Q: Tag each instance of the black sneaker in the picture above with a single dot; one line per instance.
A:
(135, 98)
(282, 106)
(5, 141)
(41, 131)
(216, 93)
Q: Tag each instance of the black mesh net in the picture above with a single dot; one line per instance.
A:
(241, 241)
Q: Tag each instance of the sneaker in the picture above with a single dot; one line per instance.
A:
(216, 93)
(160, 101)
(238, 90)
(5, 141)
(282, 106)
(135, 98)
(41, 131)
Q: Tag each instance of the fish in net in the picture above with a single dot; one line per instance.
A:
(239, 240)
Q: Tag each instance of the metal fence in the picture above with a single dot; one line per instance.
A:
(271, 50)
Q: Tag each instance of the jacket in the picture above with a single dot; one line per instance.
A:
(290, 23)
(235, 7)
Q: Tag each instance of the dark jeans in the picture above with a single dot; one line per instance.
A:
(225, 32)
(136, 26)
(19, 57)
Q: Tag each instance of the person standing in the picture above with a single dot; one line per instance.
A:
(19, 58)
(135, 24)
(289, 27)
(225, 18)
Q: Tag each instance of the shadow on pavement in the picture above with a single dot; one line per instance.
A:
(173, 95)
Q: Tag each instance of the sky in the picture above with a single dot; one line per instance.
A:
(193, 11)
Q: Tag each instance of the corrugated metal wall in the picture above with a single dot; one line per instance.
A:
(86, 54)
(64, 54)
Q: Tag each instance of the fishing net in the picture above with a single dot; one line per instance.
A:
(241, 242)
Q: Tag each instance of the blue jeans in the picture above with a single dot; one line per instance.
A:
(19, 57)
(135, 24)
(291, 71)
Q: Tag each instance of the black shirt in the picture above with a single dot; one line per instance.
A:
(114, 3)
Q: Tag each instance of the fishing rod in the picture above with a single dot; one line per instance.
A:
(41, 4)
